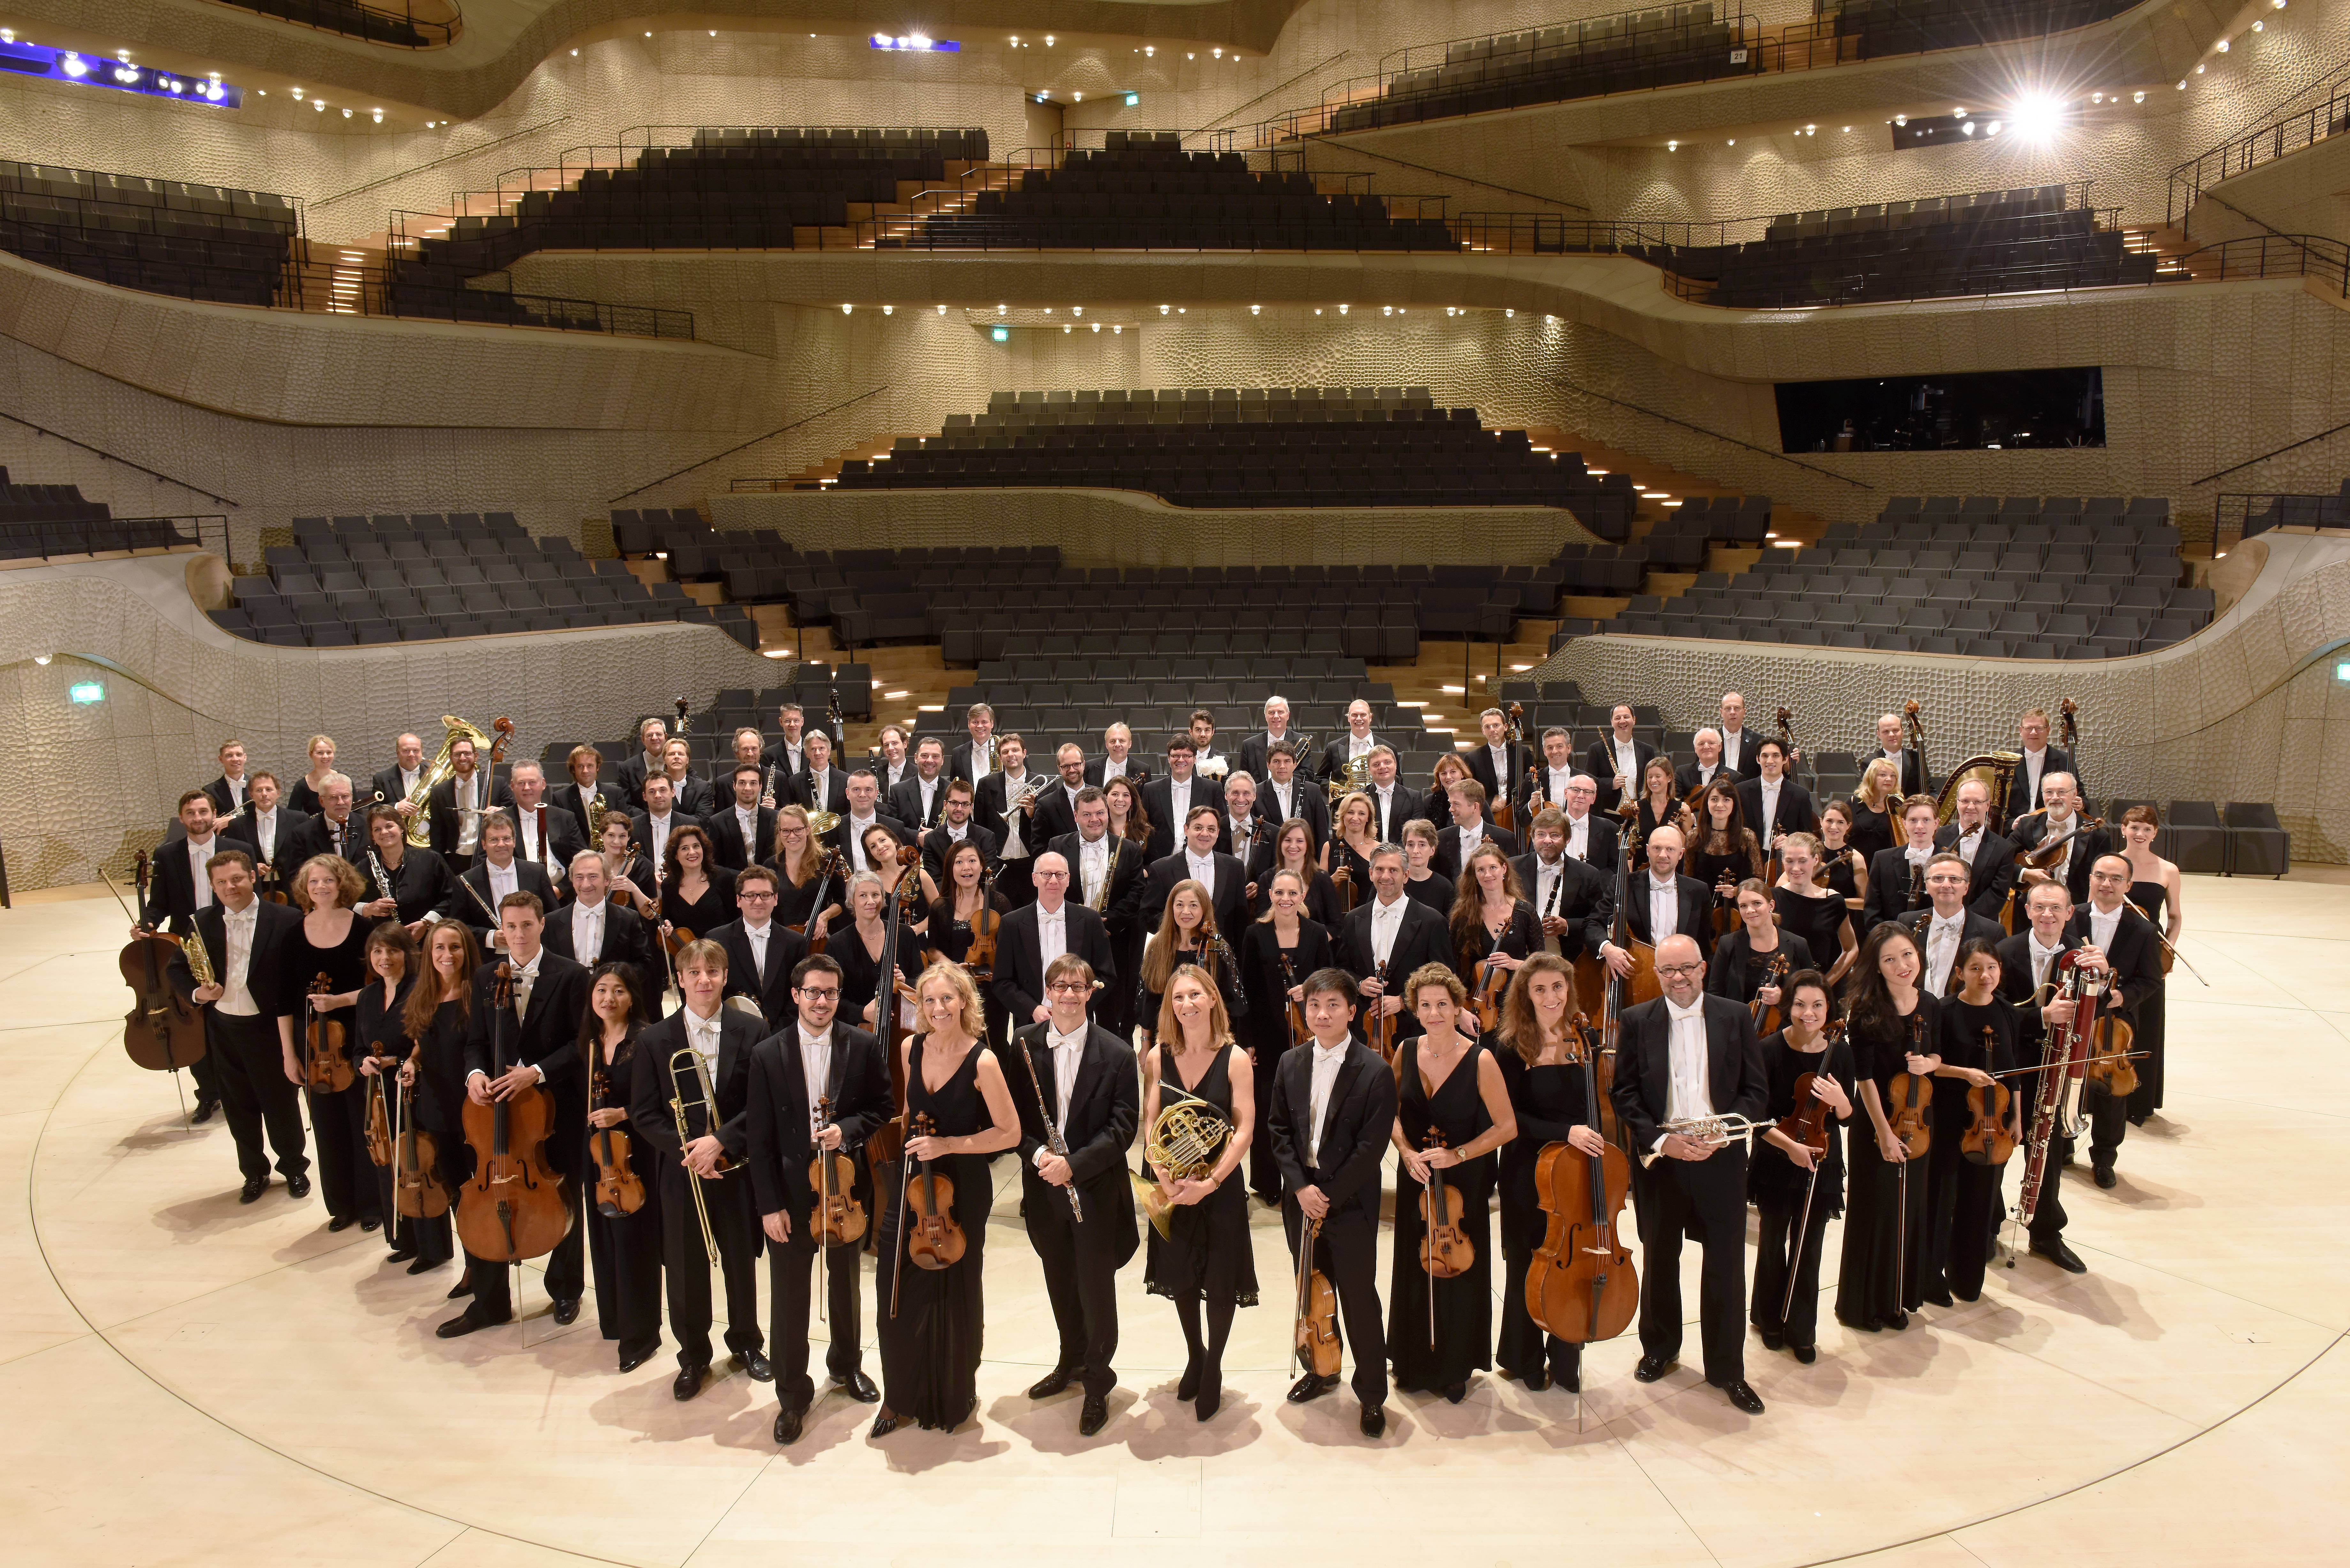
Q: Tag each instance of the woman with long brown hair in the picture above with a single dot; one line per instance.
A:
(1187, 934)
(378, 1047)
(1493, 927)
(1661, 804)
(1294, 850)
(1809, 906)
(1725, 851)
(434, 1020)
(1895, 1024)
(1542, 1072)
(625, 1249)
(1845, 868)
(799, 862)
(1347, 856)
(697, 894)
(1128, 819)
(330, 944)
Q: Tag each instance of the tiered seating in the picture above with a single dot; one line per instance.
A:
(164, 236)
(354, 21)
(1634, 51)
(2300, 512)
(393, 578)
(1912, 27)
(1144, 191)
(39, 520)
(1307, 446)
(2022, 579)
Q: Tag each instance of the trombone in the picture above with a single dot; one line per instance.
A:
(707, 1100)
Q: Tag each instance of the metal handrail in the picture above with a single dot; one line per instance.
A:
(2264, 144)
(370, 24)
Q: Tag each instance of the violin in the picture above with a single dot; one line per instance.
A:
(417, 1190)
(378, 1123)
(163, 1032)
(326, 1065)
(1505, 814)
(1493, 988)
(1988, 1140)
(2042, 855)
(512, 1208)
(1582, 1285)
(1316, 1332)
(619, 896)
(1908, 1101)
(620, 1191)
(1770, 1020)
(1445, 1250)
(2109, 1053)
(840, 1218)
(1807, 1124)
(1299, 1033)
(933, 1240)
(1379, 1027)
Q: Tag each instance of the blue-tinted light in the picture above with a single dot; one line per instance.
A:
(915, 43)
(66, 65)
(1133, 98)
(1001, 334)
(87, 691)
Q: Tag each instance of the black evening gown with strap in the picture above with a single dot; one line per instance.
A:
(1208, 1255)
(1962, 1196)
(377, 1033)
(930, 1320)
(704, 914)
(1549, 1103)
(1867, 1293)
(338, 1118)
(625, 1250)
(1786, 1240)
(1819, 922)
(1464, 1304)
(2146, 1028)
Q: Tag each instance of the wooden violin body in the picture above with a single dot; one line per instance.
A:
(1445, 1250)
(1316, 1331)
(326, 1064)
(1582, 1285)
(378, 1123)
(840, 1218)
(2109, 1065)
(1987, 1140)
(1769, 1020)
(1807, 1124)
(1378, 1025)
(1493, 989)
(933, 1240)
(417, 1190)
(620, 1190)
(1908, 1101)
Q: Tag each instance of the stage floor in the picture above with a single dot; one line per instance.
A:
(194, 1381)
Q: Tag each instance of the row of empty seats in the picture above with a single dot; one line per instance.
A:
(401, 29)
(42, 520)
(1828, 221)
(1881, 27)
(162, 237)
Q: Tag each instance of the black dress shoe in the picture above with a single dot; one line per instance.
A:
(1456, 1392)
(1094, 1416)
(885, 1423)
(688, 1382)
(2105, 1177)
(2134, 1121)
(787, 1424)
(859, 1387)
(1651, 1367)
(567, 1310)
(1054, 1382)
(1896, 1321)
(370, 1221)
(1210, 1400)
(399, 1254)
(1188, 1387)
(1374, 1421)
(203, 1112)
(297, 1186)
(2061, 1255)
(1743, 1396)
(465, 1323)
(1772, 1339)
(630, 1362)
(336, 1222)
(1537, 1380)
(254, 1186)
(1807, 1354)
(1310, 1388)
(1941, 1299)
(754, 1362)
(425, 1265)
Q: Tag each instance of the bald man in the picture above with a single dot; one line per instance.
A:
(1660, 902)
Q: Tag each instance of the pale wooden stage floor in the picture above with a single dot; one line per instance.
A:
(191, 1381)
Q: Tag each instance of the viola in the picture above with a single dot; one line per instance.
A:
(378, 1123)
(164, 1030)
(417, 1190)
(1492, 988)
(2109, 1055)
(933, 1240)
(1445, 1250)
(1987, 1140)
(1582, 1285)
(326, 1065)
(620, 1190)
(512, 1208)
(840, 1218)
(1316, 1332)
(1770, 1020)
(1909, 1100)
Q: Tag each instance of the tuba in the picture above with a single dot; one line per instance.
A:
(420, 821)
(1184, 1142)
(1994, 770)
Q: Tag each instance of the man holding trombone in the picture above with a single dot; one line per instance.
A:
(690, 1107)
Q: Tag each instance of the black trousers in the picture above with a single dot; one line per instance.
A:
(255, 1094)
(1348, 1255)
(1080, 1278)
(2108, 1124)
(205, 1070)
(346, 1177)
(566, 1267)
(686, 1258)
(1780, 1213)
(792, 1267)
(1705, 1199)
(626, 1254)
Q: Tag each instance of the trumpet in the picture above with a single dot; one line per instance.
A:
(707, 1098)
(1028, 793)
(1717, 1131)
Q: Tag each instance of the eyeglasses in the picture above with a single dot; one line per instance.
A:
(757, 895)
(1070, 987)
(1678, 969)
(810, 993)
(1049, 877)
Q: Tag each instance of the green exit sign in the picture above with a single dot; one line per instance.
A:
(87, 691)
(2342, 672)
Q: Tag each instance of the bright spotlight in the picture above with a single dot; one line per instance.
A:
(2035, 118)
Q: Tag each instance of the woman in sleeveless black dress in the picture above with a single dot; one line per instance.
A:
(1962, 1196)
(434, 1019)
(1543, 1075)
(1790, 1241)
(332, 941)
(1891, 1018)
(2154, 888)
(625, 1250)
(1813, 911)
(1467, 1112)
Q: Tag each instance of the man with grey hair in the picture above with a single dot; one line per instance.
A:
(548, 837)
(1709, 767)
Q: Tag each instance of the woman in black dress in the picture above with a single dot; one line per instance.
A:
(624, 1248)
(303, 797)
(1420, 878)
(1976, 1041)
(1277, 952)
(327, 958)
(930, 1321)
(1452, 1111)
(1740, 967)
(1294, 850)
(1725, 852)
(1206, 1260)
(1660, 806)
(1348, 856)
(1811, 909)
(697, 894)
(1894, 1025)
(802, 865)
(857, 951)
(947, 930)
(1781, 1180)
(1542, 1072)
(421, 882)
(1873, 827)
(1187, 934)
(1129, 826)
(378, 1047)
(434, 1020)
(888, 858)
(1493, 926)
(1846, 867)
(2154, 888)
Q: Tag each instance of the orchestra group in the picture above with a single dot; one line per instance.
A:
(660, 1026)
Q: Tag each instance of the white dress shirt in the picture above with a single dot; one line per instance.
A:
(1325, 1070)
(530, 836)
(1203, 870)
(1470, 837)
(1113, 768)
(1387, 922)
(197, 854)
(1578, 836)
(816, 789)
(657, 829)
(1015, 823)
(265, 834)
(236, 790)
(1942, 939)
(1093, 865)
(2034, 762)
(1689, 1091)
(1771, 788)
(1178, 800)
(1664, 908)
(502, 879)
(2042, 959)
(746, 821)
(466, 797)
(757, 936)
(1359, 745)
(1068, 1054)
(1502, 780)
(1549, 882)
(1555, 790)
(1051, 934)
(525, 975)
(855, 833)
(588, 931)
(236, 977)
(816, 1069)
(929, 791)
(1730, 741)
(2102, 926)
(1627, 761)
(1967, 842)
(982, 759)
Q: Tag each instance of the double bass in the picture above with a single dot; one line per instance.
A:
(163, 1032)
(1582, 1285)
(1619, 993)
(1505, 812)
(417, 1190)
(512, 1207)
(886, 1145)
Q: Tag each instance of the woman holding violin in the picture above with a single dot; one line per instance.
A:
(624, 1242)
(928, 1296)
(1347, 856)
(327, 957)
(1187, 934)
(1725, 852)
(434, 1020)
(1493, 928)
(857, 951)
(1894, 1024)
(1540, 1056)
(1842, 867)
(377, 1048)
(888, 856)
(1797, 1183)
(1976, 1126)
(697, 893)
(1206, 1261)
(1278, 950)
(1750, 965)
(1452, 1111)
(798, 863)
(1809, 908)
(950, 929)
(2156, 888)
(1660, 806)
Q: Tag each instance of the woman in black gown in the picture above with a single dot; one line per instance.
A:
(1660, 806)
(1452, 1111)
(1294, 849)
(930, 1321)
(697, 894)
(1277, 952)
(947, 930)
(1894, 1026)
(1741, 965)
(1543, 1074)
(1492, 925)
(1206, 1261)
(1780, 1179)
(1813, 909)
(624, 1248)
(1348, 856)
(328, 957)
(1725, 852)
(378, 1047)
(434, 1019)
(1977, 1040)
(1421, 881)
(303, 797)
(1187, 934)
(1847, 867)
(1873, 827)
(803, 866)
(2154, 888)
(858, 949)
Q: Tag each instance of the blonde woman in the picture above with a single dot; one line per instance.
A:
(303, 797)
(1873, 827)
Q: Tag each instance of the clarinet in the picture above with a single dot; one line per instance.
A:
(382, 877)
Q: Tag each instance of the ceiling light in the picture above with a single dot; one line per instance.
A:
(1163, 309)
(846, 308)
(1218, 53)
(1076, 310)
(2223, 46)
(1672, 147)
(1386, 310)
(574, 54)
(1066, 329)
(2138, 96)
(1097, 327)
(2198, 70)
(1114, 330)
(1253, 309)
(1149, 50)
(1048, 40)
(297, 95)
(2259, 26)
(889, 310)
(1734, 141)
(1901, 119)
(318, 103)
(943, 310)
(1342, 310)
(1077, 97)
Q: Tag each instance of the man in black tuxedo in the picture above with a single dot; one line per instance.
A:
(1057, 807)
(228, 791)
(761, 953)
(717, 1122)
(653, 734)
(742, 831)
(177, 886)
(1076, 1090)
(1693, 776)
(248, 1021)
(1947, 925)
(694, 793)
(1199, 860)
(1773, 804)
(1553, 770)
(1094, 854)
(494, 874)
(921, 797)
(788, 755)
(1357, 742)
(1117, 759)
(1893, 746)
(819, 786)
(1618, 758)
(1739, 744)
(1565, 893)
(1591, 836)
(2060, 814)
(2111, 924)
(649, 829)
(1248, 833)
(1661, 893)
(975, 758)
(1991, 858)
(546, 836)
(268, 830)
(1169, 801)
(815, 1058)
(456, 804)
(586, 766)
(394, 783)
(993, 799)
(1282, 792)
(1332, 1106)
(1687, 1056)
(1036, 934)
(2027, 962)
(859, 817)
(1896, 876)
(1500, 764)
(1276, 736)
(1389, 936)
(592, 930)
(955, 824)
(334, 831)
(538, 1049)
(2027, 787)
(1470, 828)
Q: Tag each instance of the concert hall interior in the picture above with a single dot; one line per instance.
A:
(1540, 706)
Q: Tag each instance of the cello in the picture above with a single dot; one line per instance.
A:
(417, 1190)
(164, 1030)
(1582, 1285)
(1619, 993)
(512, 1208)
